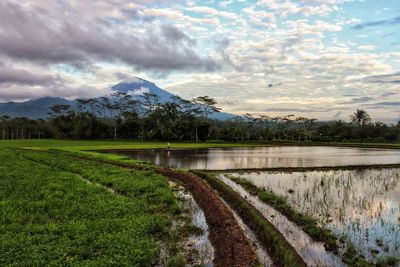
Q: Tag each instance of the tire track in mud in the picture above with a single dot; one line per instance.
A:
(231, 245)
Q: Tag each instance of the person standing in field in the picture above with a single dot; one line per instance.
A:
(169, 146)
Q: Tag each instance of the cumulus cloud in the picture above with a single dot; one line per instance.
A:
(61, 34)
(307, 7)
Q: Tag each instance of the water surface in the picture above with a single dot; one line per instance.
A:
(264, 157)
(313, 253)
(364, 205)
(200, 244)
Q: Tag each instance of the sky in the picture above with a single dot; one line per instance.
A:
(316, 58)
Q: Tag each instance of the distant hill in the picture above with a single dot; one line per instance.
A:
(39, 108)
(33, 109)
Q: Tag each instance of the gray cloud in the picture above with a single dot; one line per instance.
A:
(175, 36)
(388, 103)
(122, 76)
(377, 23)
(300, 110)
(389, 94)
(362, 99)
(392, 78)
(24, 77)
(21, 84)
(40, 35)
(20, 92)
(229, 103)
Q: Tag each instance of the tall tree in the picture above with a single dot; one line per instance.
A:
(360, 117)
(207, 105)
(189, 112)
(121, 103)
(115, 107)
(149, 103)
(62, 120)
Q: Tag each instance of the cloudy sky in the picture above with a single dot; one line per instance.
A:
(316, 58)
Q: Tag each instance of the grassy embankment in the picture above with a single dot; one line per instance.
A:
(51, 215)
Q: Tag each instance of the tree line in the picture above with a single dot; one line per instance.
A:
(121, 116)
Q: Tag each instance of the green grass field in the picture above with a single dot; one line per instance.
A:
(60, 210)
(78, 145)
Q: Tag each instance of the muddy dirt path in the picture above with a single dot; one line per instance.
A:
(231, 245)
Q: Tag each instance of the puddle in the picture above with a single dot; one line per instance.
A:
(364, 205)
(313, 253)
(204, 252)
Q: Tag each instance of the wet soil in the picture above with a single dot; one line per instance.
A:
(231, 245)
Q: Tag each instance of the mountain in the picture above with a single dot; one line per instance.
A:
(39, 108)
(33, 109)
(138, 86)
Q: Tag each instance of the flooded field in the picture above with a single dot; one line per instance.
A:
(363, 205)
(313, 253)
(263, 157)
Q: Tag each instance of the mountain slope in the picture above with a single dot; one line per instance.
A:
(33, 109)
(138, 86)
(39, 108)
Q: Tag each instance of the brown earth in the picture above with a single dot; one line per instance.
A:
(231, 245)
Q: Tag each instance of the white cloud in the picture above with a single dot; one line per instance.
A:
(367, 47)
(283, 8)
(139, 92)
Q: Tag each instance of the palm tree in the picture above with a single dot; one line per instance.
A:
(360, 117)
